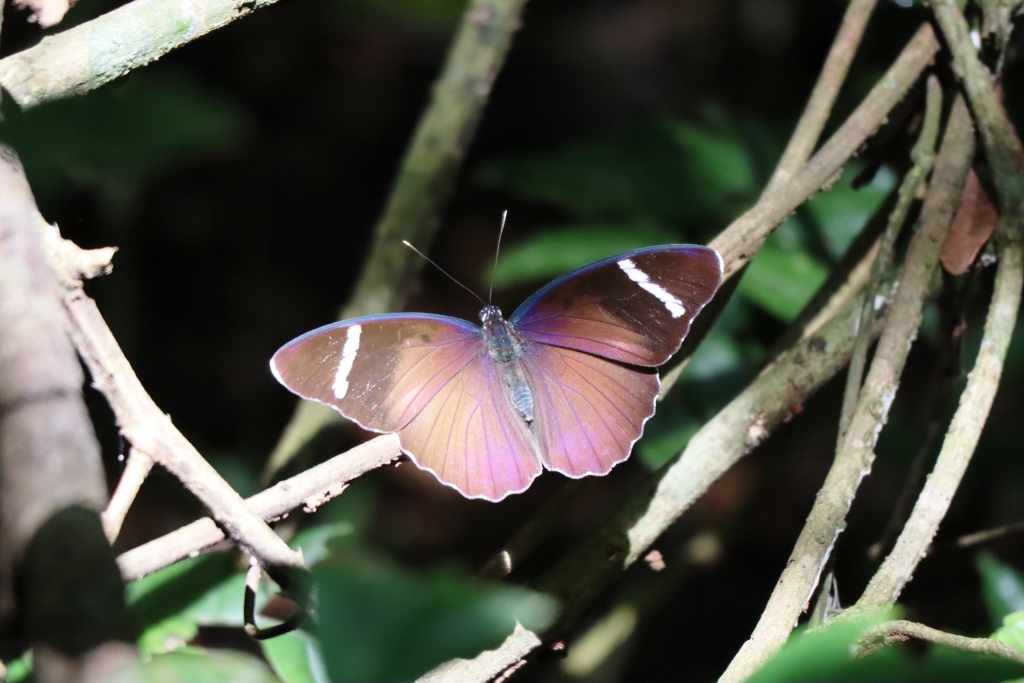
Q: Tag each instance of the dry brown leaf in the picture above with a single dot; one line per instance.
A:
(973, 224)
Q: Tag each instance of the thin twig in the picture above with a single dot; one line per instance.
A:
(145, 426)
(823, 97)
(422, 186)
(899, 630)
(735, 431)
(136, 470)
(855, 453)
(309, 489)
(923, 156)
(967, 540)
(1006, 155)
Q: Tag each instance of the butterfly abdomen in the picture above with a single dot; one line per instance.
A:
(504, 349)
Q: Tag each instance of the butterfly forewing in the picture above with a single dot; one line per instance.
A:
(633, 308)
(590, 410)
(470, 438)
(378, 371)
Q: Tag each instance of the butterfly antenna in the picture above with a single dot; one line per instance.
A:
(449, 275)
(497, 250)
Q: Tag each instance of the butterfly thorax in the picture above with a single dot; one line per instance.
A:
(504, 348)
(501, 340)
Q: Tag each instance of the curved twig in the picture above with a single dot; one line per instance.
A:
(898, 630)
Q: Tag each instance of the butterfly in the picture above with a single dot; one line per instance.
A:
(565, 384)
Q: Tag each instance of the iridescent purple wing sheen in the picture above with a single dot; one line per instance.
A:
(590, 411)
(633, 308)
(471, 439)
(379, 371)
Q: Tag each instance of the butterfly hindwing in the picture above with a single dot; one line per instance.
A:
(633, 308)
(590, 411)
(379, 371)
(470, 438)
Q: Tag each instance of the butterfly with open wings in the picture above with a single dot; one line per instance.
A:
(566, 383)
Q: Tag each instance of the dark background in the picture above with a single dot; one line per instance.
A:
(241, 177)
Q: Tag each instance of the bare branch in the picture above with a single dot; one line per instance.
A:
(49, 457)
(136, 470)
(310, 489)
(855, 452)
(740, 241)
(923, 156)
(69, 600)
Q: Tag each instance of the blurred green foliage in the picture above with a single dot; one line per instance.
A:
(208, 666)
(379, 622)
(1002, 587)
(114, 139)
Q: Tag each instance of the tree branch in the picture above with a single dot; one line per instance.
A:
(923, 155)
(136, 470)
(94, 53)
(855, 452)
(69, 598)
(739, 242)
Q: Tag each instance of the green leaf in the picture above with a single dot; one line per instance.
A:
(1001, 585)
(558, 250)
(174, 590)
(842, 212)
(168, 635)
(115, 137)
(826, 655)
(665, 435)
(781, 281)
(381, 623)
(208, 666)
(20, 669)
(315, 541)
(295, 657)
(1012, 631)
